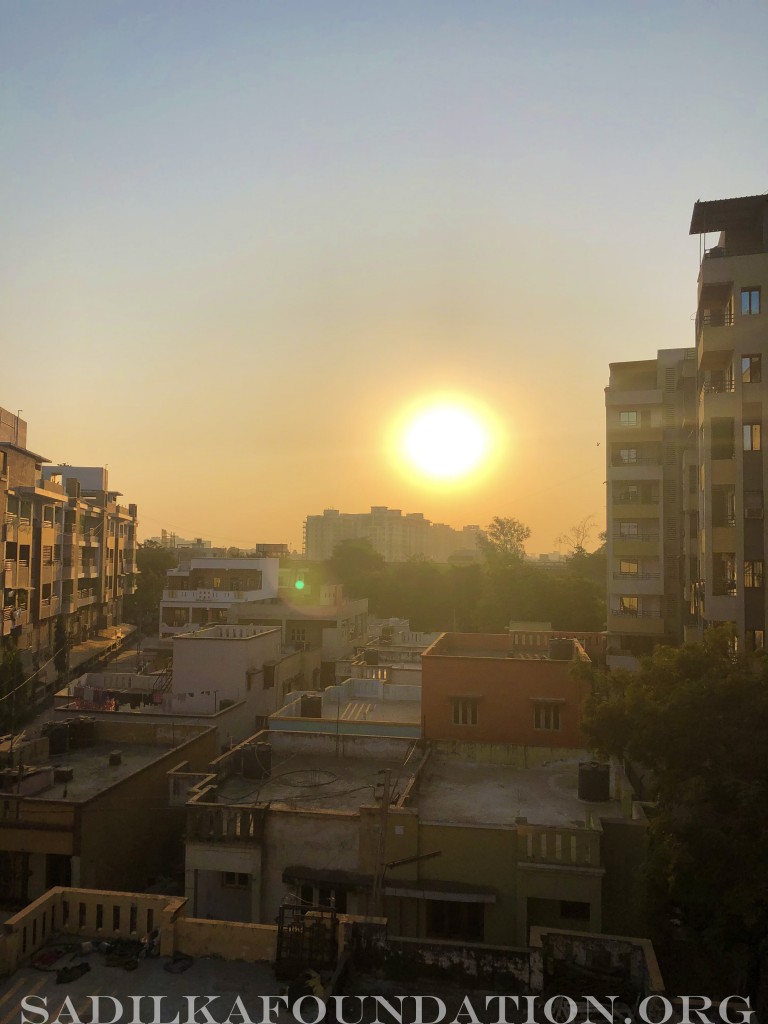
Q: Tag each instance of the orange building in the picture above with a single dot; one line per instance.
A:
(482, 688)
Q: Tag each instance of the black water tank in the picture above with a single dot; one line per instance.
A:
(560, 648)
(257, 761)
(312, 705)
(594, 781)
(58, 738)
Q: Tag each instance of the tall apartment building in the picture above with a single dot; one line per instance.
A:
(685, 458)
(67, 546)
(395, 536)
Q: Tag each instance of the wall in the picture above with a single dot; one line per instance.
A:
(505, 689)
(286, 743)
(128, 834)
(234, 722)
(249, 942)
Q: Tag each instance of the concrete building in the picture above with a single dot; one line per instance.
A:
(686, 459)
(324, 621)
(67, 548)
(200, 592)
(650, 433)
(395, 536)
(443, 847)
(482, 690)
(86, 803)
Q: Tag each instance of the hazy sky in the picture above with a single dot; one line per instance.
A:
(239, 237)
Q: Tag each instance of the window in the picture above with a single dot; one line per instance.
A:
(753, 504)
(457, 921)
(753, 574)
(751, 369)
(47, 554)
(752, 437)
(464, 710)
(755, 639)
(235, 880)
(628, 455)
(574, 911)
(750, 301)
(628, 605)
(628, 567)
(628, 418)
(628, 530)
(546, 715)
(297, 634)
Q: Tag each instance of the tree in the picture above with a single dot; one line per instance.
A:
(153, 562)
(503, 540)
(575, 539)
(355, 563)
(696, 717)
(60, 640)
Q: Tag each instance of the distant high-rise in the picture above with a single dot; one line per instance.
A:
(686, 456)
(395, 536)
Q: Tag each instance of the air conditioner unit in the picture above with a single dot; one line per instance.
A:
(753, 513)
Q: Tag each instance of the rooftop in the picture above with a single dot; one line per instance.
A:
(313, 782)
(463, 792)
(721, 214)
(91, 771)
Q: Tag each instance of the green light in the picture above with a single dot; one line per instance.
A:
(299, 584)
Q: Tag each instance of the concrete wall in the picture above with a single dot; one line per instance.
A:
(505, 690)
(385, 747)
(249, 942)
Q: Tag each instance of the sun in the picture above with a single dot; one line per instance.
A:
(447, 441)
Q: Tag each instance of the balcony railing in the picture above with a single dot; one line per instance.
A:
(632, 498)
(637, 613)
(718, 252)
(723, 588)
(727, 520)
(715, 318)
(647, 537)
(636, 575)
(641, 460)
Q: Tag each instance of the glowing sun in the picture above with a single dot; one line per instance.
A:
(447, 441)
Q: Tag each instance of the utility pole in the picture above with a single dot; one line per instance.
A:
(380, 868)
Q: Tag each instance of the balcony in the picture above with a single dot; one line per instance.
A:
(637, 623)
(209, 823)
(210, 597)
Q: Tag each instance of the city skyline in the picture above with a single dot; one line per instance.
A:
(240, 240)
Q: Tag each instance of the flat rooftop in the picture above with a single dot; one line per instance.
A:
(464, 792)
(91, 771)
(364, 710)
(209, 975)
(310, 783)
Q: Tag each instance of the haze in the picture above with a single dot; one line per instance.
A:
(240, 237)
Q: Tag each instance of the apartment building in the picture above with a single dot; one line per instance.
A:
(67, 548)
(395, 536)
(686, 460)
(650, 434)
(200, 592)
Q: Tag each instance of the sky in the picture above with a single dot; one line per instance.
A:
(240, 237)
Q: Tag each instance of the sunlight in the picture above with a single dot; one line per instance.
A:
(445, 440)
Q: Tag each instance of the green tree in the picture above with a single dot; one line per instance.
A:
(355, 564)
(503, 540)
(696, 719)
(60, 645)
(153, 562)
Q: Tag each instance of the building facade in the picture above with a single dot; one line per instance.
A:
(395, 536)
(686, 460)
(67, 547)
(200, 592)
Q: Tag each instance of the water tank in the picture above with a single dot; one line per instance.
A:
(312, 705)
(257, 761)
(594, 781)
(560, 648)
(58, 739)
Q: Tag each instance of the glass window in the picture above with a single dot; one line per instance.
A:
(628, 605)
(750, 301)
(628, 567)
(628, 418)
(752, 437)
(628, 455)
(628, 530)
(753, 574)
(464, 710)
(755, 639)
(751, 369)
(546, 715)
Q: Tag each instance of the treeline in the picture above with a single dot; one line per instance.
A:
(482, 596)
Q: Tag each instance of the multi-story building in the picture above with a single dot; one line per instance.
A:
(395, 536)
(731, 341)
(650, 430)
(201, 591)
(67, 547)
(686, 460)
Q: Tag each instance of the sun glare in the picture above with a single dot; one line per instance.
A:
(447, 441)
